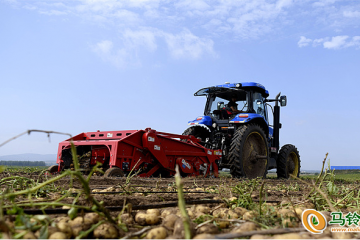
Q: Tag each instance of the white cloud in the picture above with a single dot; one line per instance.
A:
(186, 44)
(303, 42)
(319, 41)
(283, 3)
(144, 38)
(192, 5)
(323, 3)
(354, 42)
(132, 44)
(237, 19)
(351, 14)
(104, 47)
(337, 42)
(142, 23)
(53, 12)
(119, 57)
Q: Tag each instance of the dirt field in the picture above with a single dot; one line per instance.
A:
(221, 208)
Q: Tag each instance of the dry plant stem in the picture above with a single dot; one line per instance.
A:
(319, 190)
(84, 234)
(138, 233)
(182, 204)
(347, 195)
(47, 204)
(318, 178)
(261, 232)
(219, 219)
(260, 196)
(129, 177)
(326, 198)
(125, 191)
(85, 185)
(33, 189)
(33, 130)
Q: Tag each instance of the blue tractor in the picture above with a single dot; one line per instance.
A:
(236, 121)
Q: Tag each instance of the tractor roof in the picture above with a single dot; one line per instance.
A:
(230, 87)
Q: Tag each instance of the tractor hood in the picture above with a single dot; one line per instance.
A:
(205, 120)
(245, 117)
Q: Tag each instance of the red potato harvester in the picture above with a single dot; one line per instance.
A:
(148, 152)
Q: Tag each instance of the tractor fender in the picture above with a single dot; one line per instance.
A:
(202, 120)
(251, 118)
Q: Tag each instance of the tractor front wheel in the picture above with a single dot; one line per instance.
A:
(198, 132)
(248, 155)
(114, 172)
(288, 162)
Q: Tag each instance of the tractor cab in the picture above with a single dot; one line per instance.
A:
(218, 103)
(249, 98)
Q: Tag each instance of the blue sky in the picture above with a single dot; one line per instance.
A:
(79, 66)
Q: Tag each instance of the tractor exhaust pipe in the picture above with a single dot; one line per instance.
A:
(276, 123)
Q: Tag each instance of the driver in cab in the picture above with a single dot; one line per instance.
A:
(232, 105)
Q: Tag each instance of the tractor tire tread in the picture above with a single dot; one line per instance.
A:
(282, 158)
(235, 161)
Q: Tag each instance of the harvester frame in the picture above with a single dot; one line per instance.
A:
(147, 152)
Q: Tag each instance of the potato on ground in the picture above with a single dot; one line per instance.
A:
(290, 222)
(65, 228)
(169, 221)
(202, 208)
(51, 230)
(232, 199)
(126, 218)
(222, 224)
(92, 218)
(157, 233)
(288, 236)
(147, 219)
(153, 211)
(106, 231)
(77, 225)
(29, 235)
(245, 227)
(250, 215)
(285, 213)
(240, 211)
(225, 213)
(58, 235)
(179, 228)
(168, 211)
(207, 228)
(204, 236)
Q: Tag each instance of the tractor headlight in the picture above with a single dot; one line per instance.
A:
(238, 85)
(214, 125)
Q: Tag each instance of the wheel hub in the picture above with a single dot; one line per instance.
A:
(254, 156)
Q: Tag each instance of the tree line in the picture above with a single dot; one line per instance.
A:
(23, 163)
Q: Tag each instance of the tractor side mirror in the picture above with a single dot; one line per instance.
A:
(283, 101)
(220, 105)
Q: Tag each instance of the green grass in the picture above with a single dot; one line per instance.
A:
(347, 176)
(23, 169)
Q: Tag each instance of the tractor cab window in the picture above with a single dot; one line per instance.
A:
(219, 103)
(259, 105)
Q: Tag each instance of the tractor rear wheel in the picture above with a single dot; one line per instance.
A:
(114, 172)
(248, 155)
(288, 162)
